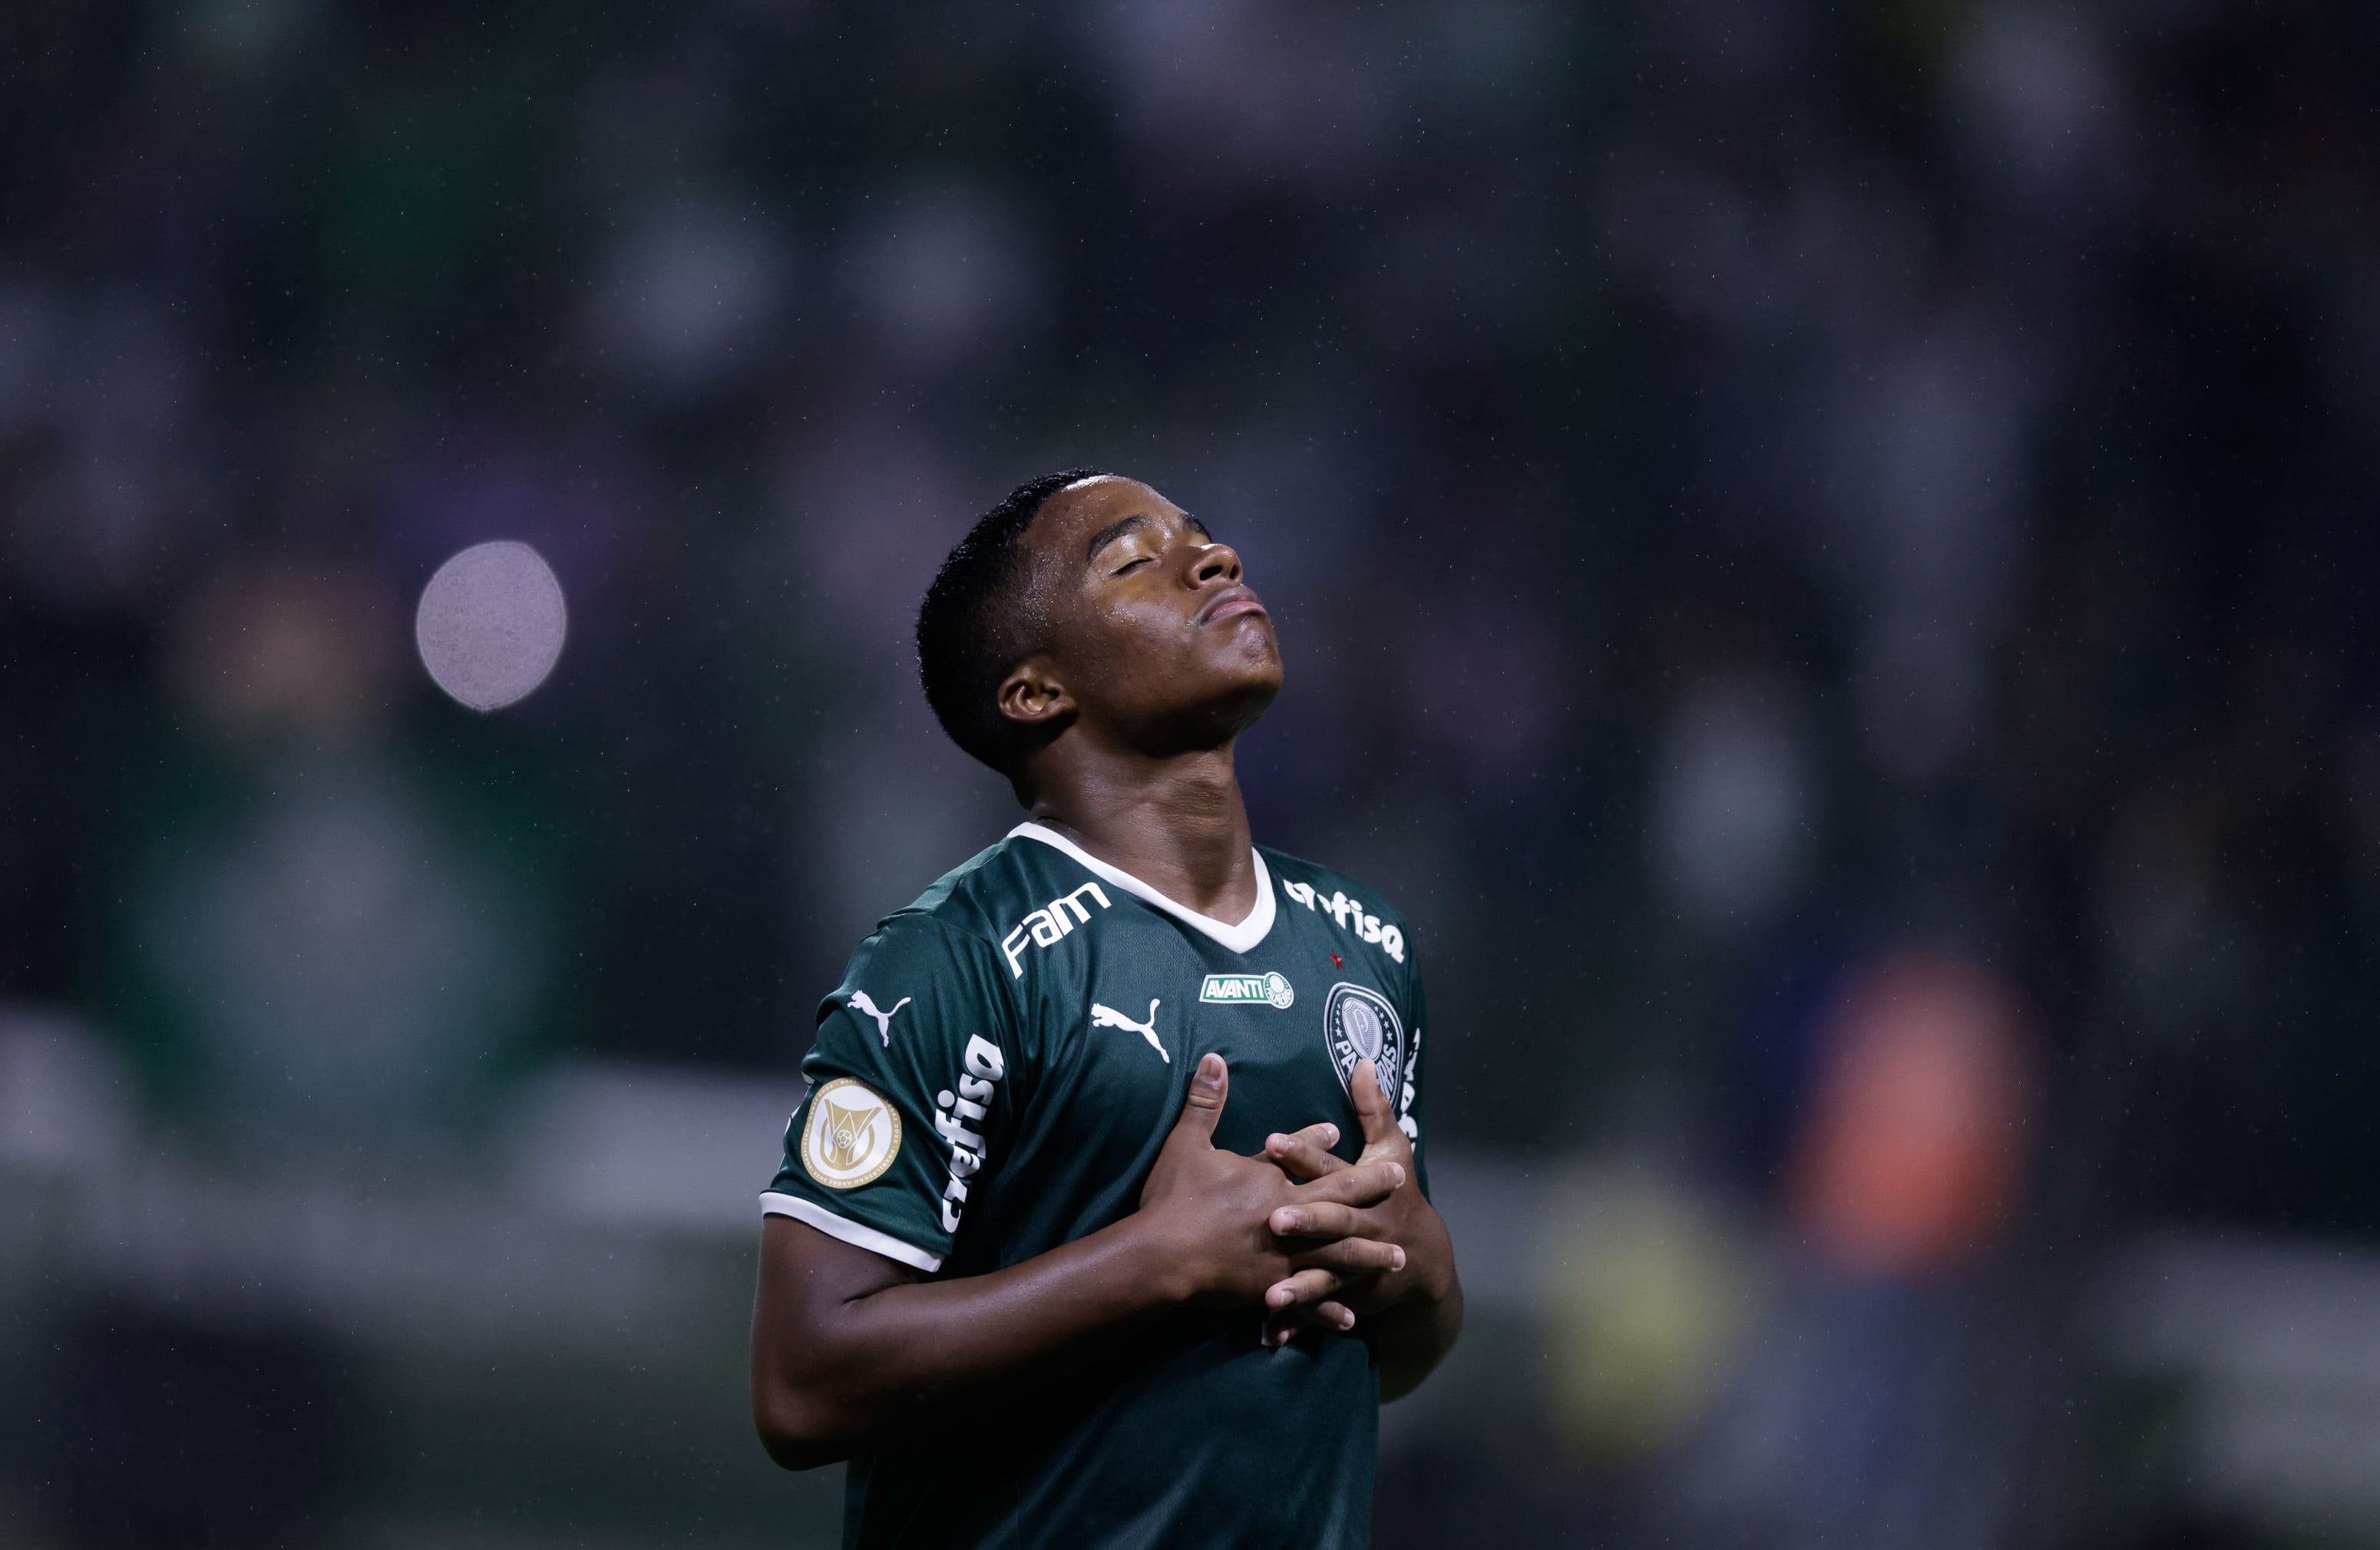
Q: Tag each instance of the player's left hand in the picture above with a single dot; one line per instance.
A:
(1323, 1274)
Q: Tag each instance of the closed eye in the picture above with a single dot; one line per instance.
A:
(1131, 565)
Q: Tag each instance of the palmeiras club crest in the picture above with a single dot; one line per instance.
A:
(1359, 1024)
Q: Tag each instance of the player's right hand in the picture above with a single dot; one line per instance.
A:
(1211, 1209)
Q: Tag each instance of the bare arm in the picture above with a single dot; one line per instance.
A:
(844, 1340)
(1414, 1335)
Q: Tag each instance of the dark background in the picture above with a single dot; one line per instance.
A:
(1823, 554)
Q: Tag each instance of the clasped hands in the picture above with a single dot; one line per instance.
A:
(1316, 1240)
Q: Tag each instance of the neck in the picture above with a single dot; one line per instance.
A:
(1176, 823)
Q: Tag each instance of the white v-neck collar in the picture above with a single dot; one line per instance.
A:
(1242, 938)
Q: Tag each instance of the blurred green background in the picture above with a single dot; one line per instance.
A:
(1824, 554)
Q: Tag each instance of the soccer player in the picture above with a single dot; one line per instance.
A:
(1104, 1221)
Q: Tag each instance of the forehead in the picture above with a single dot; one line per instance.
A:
(1068, 519)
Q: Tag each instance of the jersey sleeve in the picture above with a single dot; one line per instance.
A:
(908, 1104)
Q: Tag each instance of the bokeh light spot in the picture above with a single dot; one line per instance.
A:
(490, 623)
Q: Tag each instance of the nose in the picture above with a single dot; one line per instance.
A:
(1217, 562)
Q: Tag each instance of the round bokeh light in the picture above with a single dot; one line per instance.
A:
(490, 623)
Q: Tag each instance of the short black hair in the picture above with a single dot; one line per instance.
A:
(970, 631)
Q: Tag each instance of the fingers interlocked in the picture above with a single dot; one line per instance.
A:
(1344, 1213)
(1346, 1243)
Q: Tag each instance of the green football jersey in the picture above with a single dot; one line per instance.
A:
(995, 1077)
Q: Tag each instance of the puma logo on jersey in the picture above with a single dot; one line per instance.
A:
(1049, 924)
(883, 1019)
(1108, 1017)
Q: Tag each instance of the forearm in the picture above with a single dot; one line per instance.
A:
(833, 1373)
(1411, 1339)
(1415, 1332)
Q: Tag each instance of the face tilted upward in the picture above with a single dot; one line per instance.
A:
(1151, 631)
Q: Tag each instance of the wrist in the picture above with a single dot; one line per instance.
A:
(1156, 1262)
(1428, 1275)
(1429, 1280)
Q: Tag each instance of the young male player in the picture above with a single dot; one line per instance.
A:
(1015, 1267)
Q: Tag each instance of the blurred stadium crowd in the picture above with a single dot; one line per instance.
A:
(1823, 556)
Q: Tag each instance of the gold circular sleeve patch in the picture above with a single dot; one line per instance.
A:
(852, 1137)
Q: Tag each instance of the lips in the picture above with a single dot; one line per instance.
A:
(1230, 604)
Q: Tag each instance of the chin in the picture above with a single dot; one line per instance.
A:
(1248, 661)
(1237, 703)
(1222, 706)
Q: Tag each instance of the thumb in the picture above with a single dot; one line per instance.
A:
(1210, 1084)
(1372, 1106)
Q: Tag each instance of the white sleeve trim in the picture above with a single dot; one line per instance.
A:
(854, 1233)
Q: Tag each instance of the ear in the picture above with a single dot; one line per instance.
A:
(1033, 697)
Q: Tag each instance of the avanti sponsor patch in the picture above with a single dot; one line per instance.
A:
(1267, 989)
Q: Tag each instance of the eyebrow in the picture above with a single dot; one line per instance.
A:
(1133, 524)
(1113, 531)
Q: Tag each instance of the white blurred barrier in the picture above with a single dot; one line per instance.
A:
(620, 1204)
(2278, 1343)
(66, 1100)
(650, 1145)
(619, 1193)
